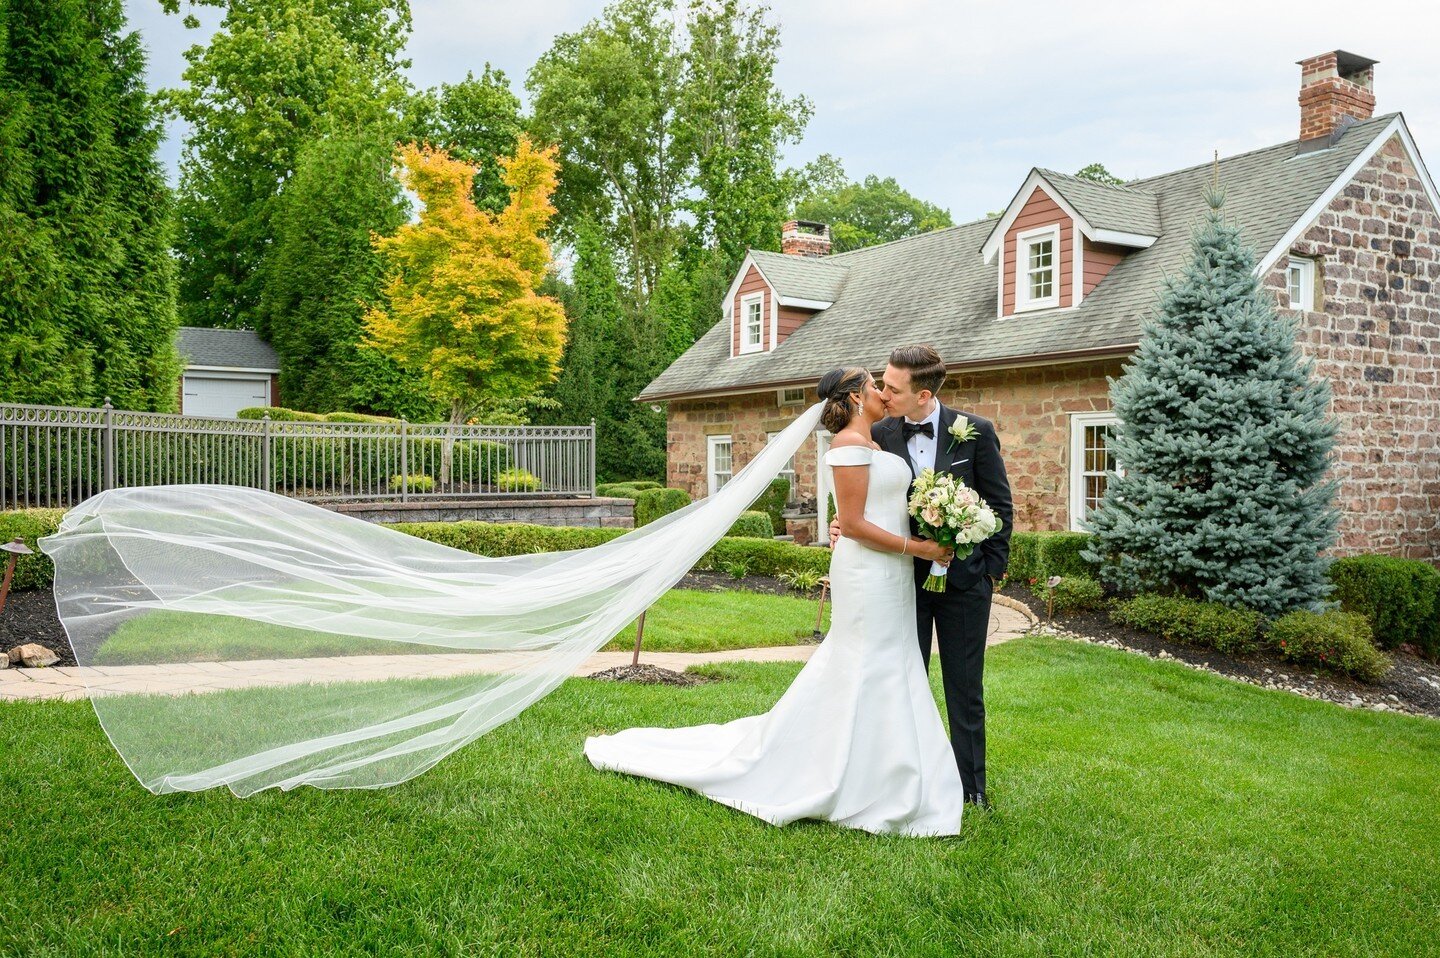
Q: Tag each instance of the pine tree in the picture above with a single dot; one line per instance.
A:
(610, 355)
(87, 290)
(324, 270)
(1224, 441)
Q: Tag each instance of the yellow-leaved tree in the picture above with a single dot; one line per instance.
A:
(460, 301)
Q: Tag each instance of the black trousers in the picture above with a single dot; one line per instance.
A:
(961, 619)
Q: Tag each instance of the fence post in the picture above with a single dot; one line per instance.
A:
(592, 457)
(108, 447)
(404, 461)
(267, 475)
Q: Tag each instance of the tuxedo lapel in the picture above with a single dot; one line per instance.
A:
(892, 441)
(944, 455)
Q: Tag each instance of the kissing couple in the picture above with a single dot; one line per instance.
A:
(857, 737)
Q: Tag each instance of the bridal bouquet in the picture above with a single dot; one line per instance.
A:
(952, 514)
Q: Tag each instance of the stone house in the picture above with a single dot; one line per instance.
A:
(1033, 310)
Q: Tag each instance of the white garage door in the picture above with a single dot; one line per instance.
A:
(224, 396)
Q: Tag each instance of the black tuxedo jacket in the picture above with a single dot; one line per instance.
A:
(977, 463)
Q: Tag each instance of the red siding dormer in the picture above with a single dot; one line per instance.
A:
(751, 295)
(1040, 221)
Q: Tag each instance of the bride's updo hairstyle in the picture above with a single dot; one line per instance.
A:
(835, 389)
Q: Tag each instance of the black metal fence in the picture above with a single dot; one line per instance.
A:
(57, 456)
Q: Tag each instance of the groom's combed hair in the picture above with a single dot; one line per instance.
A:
(924, 365)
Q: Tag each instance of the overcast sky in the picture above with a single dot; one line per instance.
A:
(958, 100)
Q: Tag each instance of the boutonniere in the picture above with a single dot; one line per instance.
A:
(960, 431)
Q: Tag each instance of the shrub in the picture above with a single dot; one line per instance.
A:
(357, 417)
(507, 539)
(752, 525)
(651, 504)
(772, 503)
(1073, 594)
(517, 480)
(765, 556)
(1336, 640)
(279, 414)
(1039, 555)
(1399, 597)
(32, 571)
(420, 483)
(625, 490)
(1192, 621)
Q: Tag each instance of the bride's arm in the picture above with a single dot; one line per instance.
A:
(851, 485)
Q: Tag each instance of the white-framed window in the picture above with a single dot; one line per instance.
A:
(787, 473)
(1037, 268)
(792, 397)
(752, 322)
(1091, 459)
(719, 462)
(1300, 283)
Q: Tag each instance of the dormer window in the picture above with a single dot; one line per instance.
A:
(752, 322)
(1038, 285)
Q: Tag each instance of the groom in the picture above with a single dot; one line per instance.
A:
(918, 431)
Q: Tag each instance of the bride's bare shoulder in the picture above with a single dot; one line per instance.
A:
(849, 437)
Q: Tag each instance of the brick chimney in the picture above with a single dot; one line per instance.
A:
(804, 238)
(1334, 85)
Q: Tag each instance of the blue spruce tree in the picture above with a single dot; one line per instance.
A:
(1224, 441)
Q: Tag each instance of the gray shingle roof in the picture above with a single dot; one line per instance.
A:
(936, 288)
(1125, 209)
(233, 348)
(803, 277)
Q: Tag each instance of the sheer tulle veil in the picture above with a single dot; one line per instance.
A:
(215, 574)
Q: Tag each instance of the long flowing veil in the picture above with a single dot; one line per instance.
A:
(253, 586)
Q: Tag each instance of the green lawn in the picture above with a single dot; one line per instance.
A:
(1144, 809)
(683, 620)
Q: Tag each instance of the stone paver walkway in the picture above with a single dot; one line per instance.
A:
(79, 682)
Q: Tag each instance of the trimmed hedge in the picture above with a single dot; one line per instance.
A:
(760, 556)
(1399, 597)
(507, 539)
(625, 490)
(33, 571)
(1073, 594)
(1179, 619)
(1039, 555)
(765, 557)
(651, 504)
(752, 525)
(1335, 640)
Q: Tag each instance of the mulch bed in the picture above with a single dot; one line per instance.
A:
(1412, 685)
(29, 616)
(643, 674)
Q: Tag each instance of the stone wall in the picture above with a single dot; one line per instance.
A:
(1376, 337)
(1030, 407)
(598, 512)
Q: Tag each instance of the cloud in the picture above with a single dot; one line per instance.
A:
(958, 100)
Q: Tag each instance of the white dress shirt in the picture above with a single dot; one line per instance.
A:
(922, 447)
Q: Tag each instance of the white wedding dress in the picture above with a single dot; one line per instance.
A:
(857, 738)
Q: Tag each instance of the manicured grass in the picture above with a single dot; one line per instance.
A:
(683, 620)
(1143, 809)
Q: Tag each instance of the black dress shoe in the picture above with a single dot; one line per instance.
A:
(979, 800)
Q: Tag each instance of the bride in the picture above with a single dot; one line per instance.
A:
(857, 737)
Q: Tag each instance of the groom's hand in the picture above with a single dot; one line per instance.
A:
(834, 531)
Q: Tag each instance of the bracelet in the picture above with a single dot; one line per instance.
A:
(905, 545)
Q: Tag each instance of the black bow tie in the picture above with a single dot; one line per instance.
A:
(911, 428)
